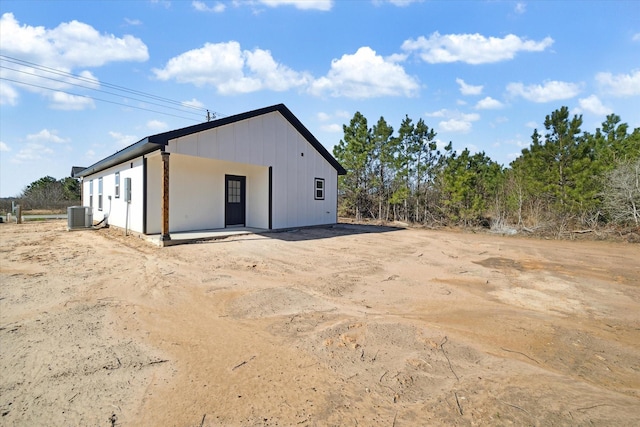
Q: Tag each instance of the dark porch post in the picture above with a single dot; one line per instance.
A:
(165, 197)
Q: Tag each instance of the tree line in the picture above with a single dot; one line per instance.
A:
(566, 178)
(46, 193)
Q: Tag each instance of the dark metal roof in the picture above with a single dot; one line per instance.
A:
(159, 141)
(75, 170)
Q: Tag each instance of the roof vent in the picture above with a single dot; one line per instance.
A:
(79, 217)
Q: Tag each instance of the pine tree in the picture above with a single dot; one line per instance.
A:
(383, 155)
(354, 152)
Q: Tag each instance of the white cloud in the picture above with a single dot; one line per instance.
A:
(201, 6)
(456, 120)
(231, 70)
(402, 3)
(472, 117)
(593, 105)
(547, 92)
(636, 37)
(69, 46)
(467, 89)
(123, 140)
(620, 84)
(396, 57)
(8, 95)
(365, 74)
(323, 5)
(165, 3)
(455, 125)
(531, 124)
(520, 8)
(4, 147)
(157, 125)
(471, 48)
(272, 75)
(439, 113)
(32, 152)
(46, 135)
(193, 103)
(133, 22)
(488, 103)
(65, 101)
(332, 128)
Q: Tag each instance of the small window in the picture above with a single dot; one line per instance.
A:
(91, 194)
(100, 194)
(319, 189)
(117, 189)
(233, 192)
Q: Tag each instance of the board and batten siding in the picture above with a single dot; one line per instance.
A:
(116, 208)
(249, 148)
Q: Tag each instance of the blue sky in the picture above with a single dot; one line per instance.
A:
(483, 74)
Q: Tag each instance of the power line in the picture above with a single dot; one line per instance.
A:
(98, 90)
(96, 82)
(92, 81)
(96, 99)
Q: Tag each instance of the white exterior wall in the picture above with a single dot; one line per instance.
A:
(255, 144)
(154, 193)
(197, 193)
(116, 208)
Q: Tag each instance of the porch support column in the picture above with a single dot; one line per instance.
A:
(165, 197)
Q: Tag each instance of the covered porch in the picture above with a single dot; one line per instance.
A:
(189, 195)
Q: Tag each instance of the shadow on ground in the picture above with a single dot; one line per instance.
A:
(327, 232)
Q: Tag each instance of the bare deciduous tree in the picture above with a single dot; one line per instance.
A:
(621, 194)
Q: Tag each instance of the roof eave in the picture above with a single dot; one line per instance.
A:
(140, 148)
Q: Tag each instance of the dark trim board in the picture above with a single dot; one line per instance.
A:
(270, 197)
(144, 195)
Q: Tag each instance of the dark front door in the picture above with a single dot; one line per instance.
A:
(235, 200)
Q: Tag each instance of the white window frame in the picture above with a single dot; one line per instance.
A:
(91, 194)
(117, 189)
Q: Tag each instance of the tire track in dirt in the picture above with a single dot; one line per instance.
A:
(327, 326)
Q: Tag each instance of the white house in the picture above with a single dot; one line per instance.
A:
(261, 169)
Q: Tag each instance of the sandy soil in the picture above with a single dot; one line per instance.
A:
(342, 326)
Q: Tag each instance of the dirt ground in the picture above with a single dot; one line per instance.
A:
(340, 326)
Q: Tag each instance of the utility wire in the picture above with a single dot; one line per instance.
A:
(96, 82)
(97, 99)
(92, 81)
(100, 90)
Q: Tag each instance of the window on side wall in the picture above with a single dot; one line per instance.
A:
(117, 189)
(100, 194)
(319, 189)
(91, 194)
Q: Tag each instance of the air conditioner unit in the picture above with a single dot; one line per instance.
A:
(79, 217)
